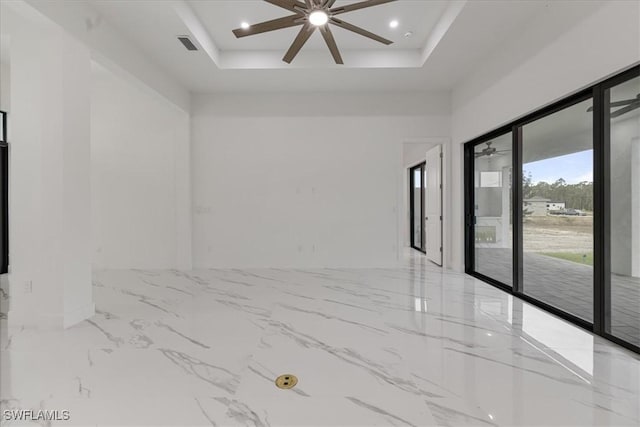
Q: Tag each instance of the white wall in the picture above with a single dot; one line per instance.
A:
(49, 184)
(625, 194)
(111, 49)
(635, 207)
(304, 180)
(141, 212)
(5, 100)
(140, 162)
(569, 47)
(5, 86)
(414, 153)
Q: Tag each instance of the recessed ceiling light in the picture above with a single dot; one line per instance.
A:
(394, 23)
(319, 17)
(244, 25)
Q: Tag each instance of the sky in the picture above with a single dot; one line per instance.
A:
(573, 168)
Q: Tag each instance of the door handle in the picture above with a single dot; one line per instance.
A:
(471, 220)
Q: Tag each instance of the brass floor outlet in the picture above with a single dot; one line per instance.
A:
(286, 381)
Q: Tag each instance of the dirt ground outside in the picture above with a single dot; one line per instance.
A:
(555, 233)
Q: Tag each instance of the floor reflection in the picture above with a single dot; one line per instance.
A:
(413, 345)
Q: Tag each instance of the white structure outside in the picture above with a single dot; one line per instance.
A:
(556, 206)
(536, 206)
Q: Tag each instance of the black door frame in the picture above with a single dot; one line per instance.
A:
(602, 294)
(422, 167)
(4, 196)
(601, 203)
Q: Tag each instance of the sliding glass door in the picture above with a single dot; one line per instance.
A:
(493, 230)
(622, 135)
(557, 212)
(417, 196)
(552, 208)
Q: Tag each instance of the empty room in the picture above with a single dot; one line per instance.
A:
(319, 213)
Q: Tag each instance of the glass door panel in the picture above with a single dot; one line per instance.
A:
(493, 230)
(557, 210)
(623, 119)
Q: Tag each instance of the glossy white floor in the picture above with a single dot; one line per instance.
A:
(406, 346)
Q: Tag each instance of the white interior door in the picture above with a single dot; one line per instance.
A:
(433, 204)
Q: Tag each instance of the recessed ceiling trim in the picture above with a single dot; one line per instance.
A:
(444, 23)
(195, 26)
(366, 58)
(358, 59)
(312, 15)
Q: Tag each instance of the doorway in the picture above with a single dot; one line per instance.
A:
(425, 207)
(4, 195)
(417, 206)
(433, 205)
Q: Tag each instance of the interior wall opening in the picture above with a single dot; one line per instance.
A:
(417, 206)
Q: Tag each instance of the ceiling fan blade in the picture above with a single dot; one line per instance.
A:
(358, 30)
(625, 110)
(331, 43)
(328, 3)
(291, 5)
(263, 27)
(300, 40)
(620, 103)
(357, 6)
(624, 102)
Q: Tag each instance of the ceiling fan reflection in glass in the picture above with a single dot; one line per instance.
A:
(618, 108)
(490, 151)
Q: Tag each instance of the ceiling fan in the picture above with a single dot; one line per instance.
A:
(626, 104)
(490, 151)
(312, 14)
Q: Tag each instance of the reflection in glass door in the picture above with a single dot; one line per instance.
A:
(493, 236)
(557, 210)
(417, 185)
(622, 124)
(575, 217)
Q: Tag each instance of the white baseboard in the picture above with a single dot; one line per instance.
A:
(19, 319)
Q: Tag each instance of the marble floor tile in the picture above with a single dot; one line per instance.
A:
(412, 345)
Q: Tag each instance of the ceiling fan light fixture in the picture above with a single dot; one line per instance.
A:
(318, 18)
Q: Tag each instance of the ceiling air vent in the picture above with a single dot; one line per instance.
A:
(187, 43)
